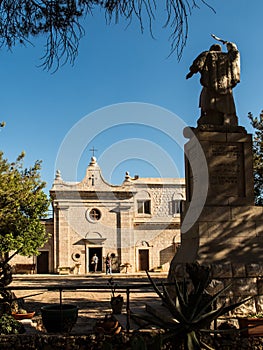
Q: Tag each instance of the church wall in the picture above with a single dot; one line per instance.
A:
(161, 244)
(80, 228)
(124, 231)
(95, 217)
(162, 198)
(157, 231)
(29, 264)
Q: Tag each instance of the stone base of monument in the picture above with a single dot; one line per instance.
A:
(219, 163)
(224, 234)
(220, 225)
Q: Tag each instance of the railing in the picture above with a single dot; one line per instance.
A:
(131, 288)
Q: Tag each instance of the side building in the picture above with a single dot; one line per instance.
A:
(137, 224)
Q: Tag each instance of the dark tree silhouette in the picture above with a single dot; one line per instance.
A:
(257, 124)
(60, 22)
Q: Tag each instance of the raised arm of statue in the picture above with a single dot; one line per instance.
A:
(234, 58)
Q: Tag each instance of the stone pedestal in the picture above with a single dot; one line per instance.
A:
(229, 228)
(229, 164)
(220, 225)
(224, 234)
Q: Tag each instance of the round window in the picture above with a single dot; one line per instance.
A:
(76, 256)
(94, 215)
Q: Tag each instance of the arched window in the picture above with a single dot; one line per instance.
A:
(143, 202)
(177, 203)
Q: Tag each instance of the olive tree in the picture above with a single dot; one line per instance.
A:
(22, 205)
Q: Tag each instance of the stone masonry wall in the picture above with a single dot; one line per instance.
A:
(246, 280)
(85, 342)
(162, 198)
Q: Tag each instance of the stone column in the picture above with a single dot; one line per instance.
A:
(63, 239)
(125, 235)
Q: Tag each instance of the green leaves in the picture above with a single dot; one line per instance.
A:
(257, 124)
(8, 325)
(22, 204)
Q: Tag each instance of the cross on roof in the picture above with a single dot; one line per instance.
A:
(93, 150)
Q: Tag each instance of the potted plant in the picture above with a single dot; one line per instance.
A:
(126, 266)
(8, 325)
(108, 326)
(192, 310)
(22, 314)
(251, 325)
(59, 318)
(116, 301)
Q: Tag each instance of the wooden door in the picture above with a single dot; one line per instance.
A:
(143, 259)
(42, 262)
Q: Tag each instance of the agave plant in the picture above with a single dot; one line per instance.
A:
(192, 311)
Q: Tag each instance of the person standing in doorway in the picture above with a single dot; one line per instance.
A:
(108, 264)
(94, 262)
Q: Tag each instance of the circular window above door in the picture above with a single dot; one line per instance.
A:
(93, 215)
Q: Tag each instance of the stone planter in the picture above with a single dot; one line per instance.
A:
(59, 318)
(116, 304)
(252, 326)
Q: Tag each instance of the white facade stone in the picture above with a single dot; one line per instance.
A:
(136, 223)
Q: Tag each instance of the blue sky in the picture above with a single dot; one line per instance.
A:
(117, 64)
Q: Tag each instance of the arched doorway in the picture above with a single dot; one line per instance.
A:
(144, 255)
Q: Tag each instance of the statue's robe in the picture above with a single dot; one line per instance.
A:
(220, 72)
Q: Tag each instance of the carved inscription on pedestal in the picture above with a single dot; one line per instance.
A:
(226, 168)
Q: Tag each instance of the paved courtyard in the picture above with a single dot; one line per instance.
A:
(90, 293)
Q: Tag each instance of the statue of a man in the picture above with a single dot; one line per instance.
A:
(220, 73)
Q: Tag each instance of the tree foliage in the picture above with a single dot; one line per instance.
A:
(22, 204)
(60, 22)
(257, 123)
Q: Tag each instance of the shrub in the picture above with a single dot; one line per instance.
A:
(8, 325)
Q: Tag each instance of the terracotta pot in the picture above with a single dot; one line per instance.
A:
(18, 316)
(59, 318)
(107, 326)
(252, 326)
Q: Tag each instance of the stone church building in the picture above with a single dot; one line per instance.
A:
(136, 223)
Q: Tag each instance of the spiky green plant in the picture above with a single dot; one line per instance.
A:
(192, 312)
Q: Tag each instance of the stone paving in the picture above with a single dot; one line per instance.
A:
(93, 304)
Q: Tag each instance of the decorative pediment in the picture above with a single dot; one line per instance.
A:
(94, 238)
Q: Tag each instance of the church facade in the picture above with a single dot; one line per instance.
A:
(136, 223)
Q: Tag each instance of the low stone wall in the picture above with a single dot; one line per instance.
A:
(246, 280)
(91, 342)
